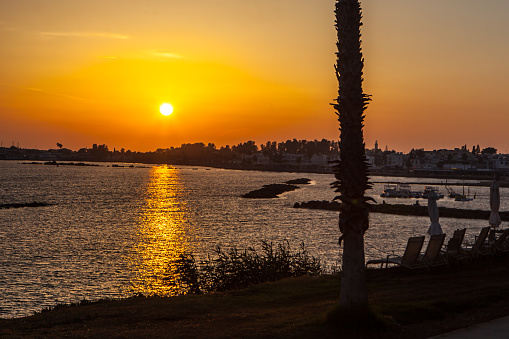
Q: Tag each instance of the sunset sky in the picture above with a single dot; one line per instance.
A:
(96, 71)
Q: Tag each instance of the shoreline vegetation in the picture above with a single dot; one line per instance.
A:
(409, 304)
(233, 269)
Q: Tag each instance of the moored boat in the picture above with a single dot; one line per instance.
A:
(390, 191)
(399, 191)
(427, 191)
(461, 197)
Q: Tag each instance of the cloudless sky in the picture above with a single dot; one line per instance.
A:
(83, 72)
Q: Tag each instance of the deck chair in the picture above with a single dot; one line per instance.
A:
(460, 234)
(479, 248)
(492, 236)
(453, 252)
(432, 257)
(500, 246)
(410, 258)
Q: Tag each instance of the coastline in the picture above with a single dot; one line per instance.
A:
(143, 319)
(484, 177)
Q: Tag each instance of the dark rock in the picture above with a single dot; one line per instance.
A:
(270, 191)
(300, 181)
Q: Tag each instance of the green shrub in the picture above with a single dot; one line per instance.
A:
(234, 268)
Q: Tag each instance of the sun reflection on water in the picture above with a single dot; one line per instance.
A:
(163, 234)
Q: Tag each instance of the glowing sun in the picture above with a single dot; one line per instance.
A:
(166, 109)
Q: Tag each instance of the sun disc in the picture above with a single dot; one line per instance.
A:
(166, 109)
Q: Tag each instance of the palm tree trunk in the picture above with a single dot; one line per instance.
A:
(351, 169)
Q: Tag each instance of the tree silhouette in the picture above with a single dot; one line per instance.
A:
(489, 150)
(59, 145)
(351, 170)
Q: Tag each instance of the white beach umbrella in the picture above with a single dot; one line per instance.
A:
(434, 228)
(495, 205)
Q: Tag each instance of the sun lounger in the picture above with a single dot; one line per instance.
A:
(500, 245)
(460, 234)
(479, 248)
(410, 258)
(433, 257)
(453, 252)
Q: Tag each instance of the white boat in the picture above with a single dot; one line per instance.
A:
(429, 189)
(399, 191)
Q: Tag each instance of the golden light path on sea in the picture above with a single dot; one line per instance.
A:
(162, 235)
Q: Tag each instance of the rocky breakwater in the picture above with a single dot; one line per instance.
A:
(29, 204)
(274, 190)
(319, 205)
(400, 209)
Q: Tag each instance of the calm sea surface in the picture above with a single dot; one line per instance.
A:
(113, 231)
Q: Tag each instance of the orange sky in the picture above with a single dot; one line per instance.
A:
(95, 71)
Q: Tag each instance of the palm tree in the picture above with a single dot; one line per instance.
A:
(351, 170)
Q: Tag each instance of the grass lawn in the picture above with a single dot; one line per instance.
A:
(412, 305)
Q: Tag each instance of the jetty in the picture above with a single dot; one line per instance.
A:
(401, 209)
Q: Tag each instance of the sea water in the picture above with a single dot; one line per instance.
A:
(111, 232)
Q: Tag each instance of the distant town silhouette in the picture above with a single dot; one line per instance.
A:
(291, 155)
